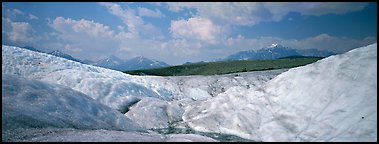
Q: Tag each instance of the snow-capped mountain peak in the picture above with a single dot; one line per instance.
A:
(114, 59)
(140, 59)
(139, 62)
(273, 45)
(275, 51)
(109, 62)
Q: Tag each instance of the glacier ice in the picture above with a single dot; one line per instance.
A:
(323, 101)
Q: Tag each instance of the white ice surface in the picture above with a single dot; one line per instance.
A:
(155, 113)
(237, 111)
(33, 110)
(324, 101)
(334, 99)
(75, 135)
(35, 104)
(113, 88)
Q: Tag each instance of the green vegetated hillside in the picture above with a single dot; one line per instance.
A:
(226, 67)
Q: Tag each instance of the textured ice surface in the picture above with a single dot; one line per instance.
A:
(154, 113)
(334, 99)
(116, 89)
(35, 104)
(75, 135)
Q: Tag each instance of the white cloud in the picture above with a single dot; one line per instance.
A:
(5, 24)
(127, 16)
(251, 13)
(87, 39)
(204, 36)
(32, 17)
(17, 32)
(120, 27)
(179, 6)
(20, 32)
(135, 24)
(12, 13)
(196, 28)
(84, 38)
(82, 26)
(149, 13)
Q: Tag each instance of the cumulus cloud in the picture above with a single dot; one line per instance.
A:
(251, 13)
(17, 32)
(196, 28)
(205, 35)
(228, 13)
(82, 26)
(91, 39)
(211, 21)
(149, 13)
(127, 16)
(20, 32)
(12, 13)
(135, 24)
(120, 27)
(88, 39)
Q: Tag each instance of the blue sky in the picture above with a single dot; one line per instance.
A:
(185, 32)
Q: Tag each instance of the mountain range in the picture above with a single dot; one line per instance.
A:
(136, 63)
(111, 62)
(275, 51)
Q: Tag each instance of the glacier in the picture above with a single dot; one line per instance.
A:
(33, 110)
(333, 99)
(32, 103)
